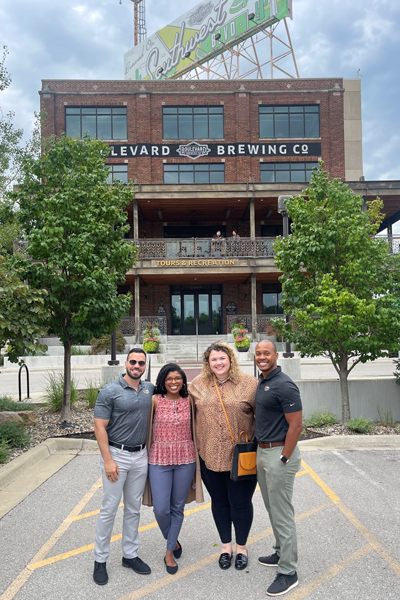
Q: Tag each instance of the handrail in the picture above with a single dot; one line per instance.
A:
(27, 383)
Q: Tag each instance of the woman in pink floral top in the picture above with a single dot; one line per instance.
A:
(172, 456)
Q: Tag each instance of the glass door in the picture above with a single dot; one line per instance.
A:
(187, 306)
(203, 304)
(188, 316)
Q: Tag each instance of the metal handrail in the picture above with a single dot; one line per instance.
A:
(27, 383)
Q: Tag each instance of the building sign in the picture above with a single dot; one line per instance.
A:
(163, 54)
(194, 150)
(220, 262)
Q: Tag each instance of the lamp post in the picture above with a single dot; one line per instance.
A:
(113, 362)
(282, 210)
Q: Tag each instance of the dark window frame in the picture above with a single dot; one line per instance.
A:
(277, 109)
(96, 114)
(113, 173)
(184, 110)
(291, 169)
(181, 168)
(272, 289)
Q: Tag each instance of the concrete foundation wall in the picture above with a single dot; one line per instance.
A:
(367, 396)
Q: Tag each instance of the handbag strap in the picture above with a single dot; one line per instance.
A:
(223, 407)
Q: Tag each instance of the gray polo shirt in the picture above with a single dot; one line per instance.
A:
(276, 395)
(126, 409)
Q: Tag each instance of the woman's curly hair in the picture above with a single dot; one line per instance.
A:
(161, 377)
(235, 373)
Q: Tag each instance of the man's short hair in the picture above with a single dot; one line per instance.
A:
(136, 351)
(271, 342)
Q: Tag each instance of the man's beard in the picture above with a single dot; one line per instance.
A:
(134, 376)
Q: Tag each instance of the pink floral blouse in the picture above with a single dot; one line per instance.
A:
(172, 433)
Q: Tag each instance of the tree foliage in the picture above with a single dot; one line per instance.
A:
(340, 285)
(75, 225)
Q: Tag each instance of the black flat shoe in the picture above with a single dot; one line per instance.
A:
(241, 562)
(225, 560)
(171, 570)
(178, 553)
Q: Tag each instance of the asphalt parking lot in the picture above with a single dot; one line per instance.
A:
(348, 520)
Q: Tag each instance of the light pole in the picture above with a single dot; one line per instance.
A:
(282, 210)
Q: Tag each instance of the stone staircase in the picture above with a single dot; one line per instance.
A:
(182, 348)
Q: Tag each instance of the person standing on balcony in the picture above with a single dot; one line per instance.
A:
(174, 467)
(231, 501)
(120, 421)
(235, 237)
(278, 427)
(216, 244)
(217, 237)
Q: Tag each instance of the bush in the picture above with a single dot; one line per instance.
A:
(360, 425)
(14, 435)
(270, 331)
(91, 392)
(6, 403)
(103, 344)
(54, 391)
(4, 452)
(319, 419)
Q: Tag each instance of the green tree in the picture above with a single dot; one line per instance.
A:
(22, 313)
(75, 225)
(340, 285)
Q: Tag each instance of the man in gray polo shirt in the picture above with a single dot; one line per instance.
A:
(277, 430)
(120, 422)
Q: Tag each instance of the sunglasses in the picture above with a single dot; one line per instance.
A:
(141, 363)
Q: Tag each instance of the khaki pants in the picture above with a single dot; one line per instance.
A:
(276, 484)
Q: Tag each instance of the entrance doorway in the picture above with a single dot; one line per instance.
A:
(189, 303)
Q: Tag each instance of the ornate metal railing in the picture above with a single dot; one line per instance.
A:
(128, 324)
(204, 248)
(262, 321)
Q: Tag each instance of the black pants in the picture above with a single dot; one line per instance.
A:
(230, 503)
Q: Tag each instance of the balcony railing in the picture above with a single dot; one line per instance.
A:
(167, 248)
(262, 321)
(128, 324)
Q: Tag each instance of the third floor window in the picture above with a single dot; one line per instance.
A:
(289, 121)
(100, 123)
(193, 122)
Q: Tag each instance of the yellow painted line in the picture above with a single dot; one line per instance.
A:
(361, 528)
(329, 574)
(165, 581)
(93, 513)
(21, 579)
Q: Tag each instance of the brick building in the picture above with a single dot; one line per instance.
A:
(208, 156)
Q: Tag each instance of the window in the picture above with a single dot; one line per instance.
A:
(201, 173)
(271, 297)
(193, 122)
(100, 123)
(118, 172)
(287, 172)
(289, 121)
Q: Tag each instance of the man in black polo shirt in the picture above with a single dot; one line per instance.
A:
(120, 424)
(278, 427)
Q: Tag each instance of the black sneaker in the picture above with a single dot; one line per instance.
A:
(137, 565)
(282, 584)
(269, 561)
(100, 573)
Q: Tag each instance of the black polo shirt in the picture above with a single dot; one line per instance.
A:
(276, 395)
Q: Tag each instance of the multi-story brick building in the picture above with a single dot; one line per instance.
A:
(208, 156)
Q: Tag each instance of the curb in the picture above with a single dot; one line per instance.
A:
(352, 442)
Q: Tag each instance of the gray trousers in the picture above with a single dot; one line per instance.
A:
(169, 487)
(131, 481)
(276, 484)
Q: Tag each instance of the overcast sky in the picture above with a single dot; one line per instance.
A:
(80, 39)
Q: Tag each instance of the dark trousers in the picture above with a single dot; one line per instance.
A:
(230, 503)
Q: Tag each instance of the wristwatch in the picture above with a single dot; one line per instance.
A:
(284, 459)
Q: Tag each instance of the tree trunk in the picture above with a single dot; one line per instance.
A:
(66, 405)
(344, 391)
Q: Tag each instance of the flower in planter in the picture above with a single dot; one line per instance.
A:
(151, 337)
(241, 337)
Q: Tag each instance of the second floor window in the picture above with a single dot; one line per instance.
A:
(295, 172)
(289, 121)
(201, 173)
(100, 123)
(118, 172)
(193, 122)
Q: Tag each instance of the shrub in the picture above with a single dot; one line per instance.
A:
(7, 403)
(323, 419)
(14, 435)
(54, 391)
(91, 392)
(103, 344)
(4, 452)
(270, 331)
(360, 425)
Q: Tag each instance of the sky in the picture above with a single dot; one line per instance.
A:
(87, 39)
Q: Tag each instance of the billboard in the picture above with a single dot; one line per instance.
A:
(196, 32)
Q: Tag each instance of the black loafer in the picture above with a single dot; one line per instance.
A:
(241, 562)
(100, 573)
(137, 565)
(171, 570)
(178, 553)
(225, 560)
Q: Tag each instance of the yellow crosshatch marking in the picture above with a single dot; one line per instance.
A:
(40, 560)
